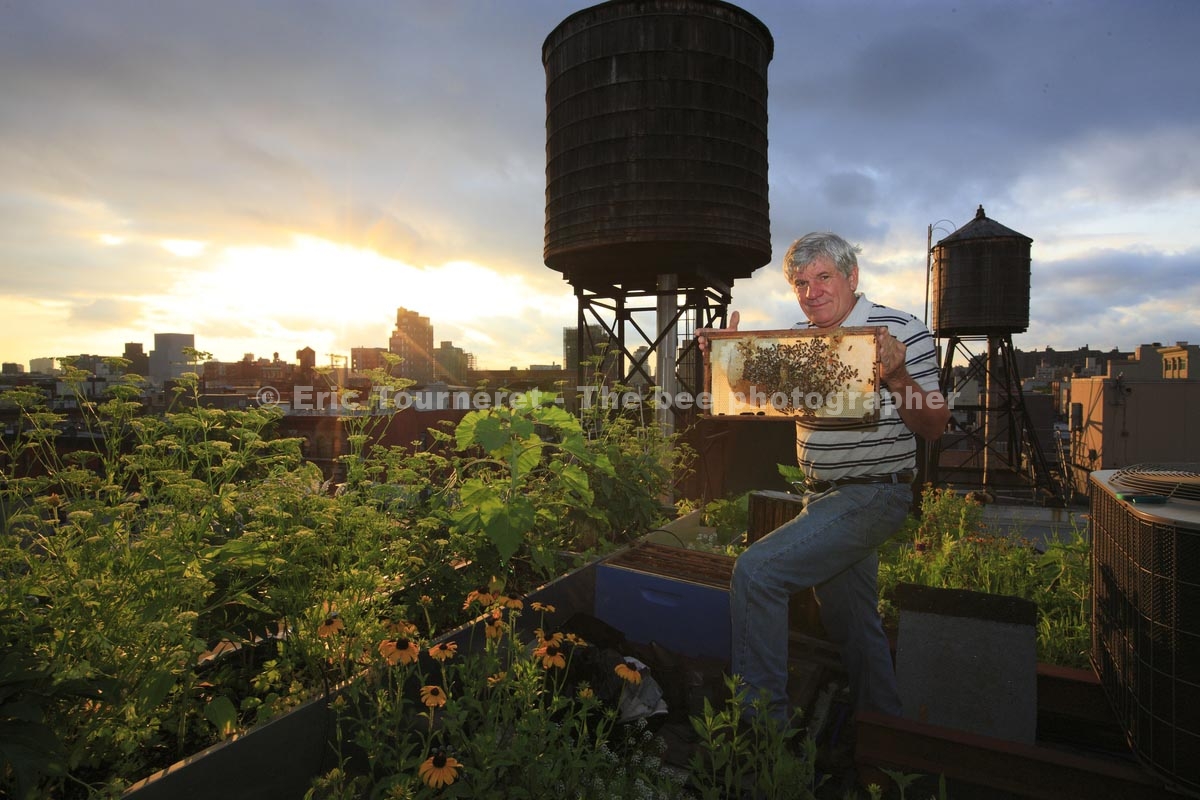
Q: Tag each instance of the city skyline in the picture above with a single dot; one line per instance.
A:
(269, 181)
(565, 355)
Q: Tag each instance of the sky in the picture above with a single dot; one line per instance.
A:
(271, 175)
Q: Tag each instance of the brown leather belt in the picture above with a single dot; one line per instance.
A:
(824, 486)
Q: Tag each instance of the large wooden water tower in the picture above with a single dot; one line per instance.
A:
(656, 174)
(981, 281)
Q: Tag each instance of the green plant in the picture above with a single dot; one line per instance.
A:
(647, 463)
(744, 751)
(188, 574)
(499, 719)
(122, 561)
(949, 546)
(793, 475)
(530, 475)
(729, 518)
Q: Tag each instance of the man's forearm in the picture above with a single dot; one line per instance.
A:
(925, 412)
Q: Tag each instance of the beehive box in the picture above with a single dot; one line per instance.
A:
(822, 377)
(678, 598)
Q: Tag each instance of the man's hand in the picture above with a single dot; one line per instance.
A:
(892, 354)
(702, 333)
(924, 412)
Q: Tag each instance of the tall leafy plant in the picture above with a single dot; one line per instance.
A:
(525, 470)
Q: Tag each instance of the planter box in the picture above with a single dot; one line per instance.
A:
(279, 759)
(968, 660)
(677, 598)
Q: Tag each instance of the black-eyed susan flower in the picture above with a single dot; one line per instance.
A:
(481, 595)
(433, 696)
(332, 624)
(494, 625)
(576, 640)
(585, 691)
(399, 651)
(439, 770)
(443, 651)
(551, 655)
(512, 600)
(554, 638)
(498, 678)
(538, 605)
(401, 627)
(425, 600)
(628, 672)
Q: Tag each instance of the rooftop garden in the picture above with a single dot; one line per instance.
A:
(193, 576)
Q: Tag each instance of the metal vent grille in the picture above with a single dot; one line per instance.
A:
(1146, 616)
(1179, 481)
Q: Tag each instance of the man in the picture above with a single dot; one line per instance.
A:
(858, 495)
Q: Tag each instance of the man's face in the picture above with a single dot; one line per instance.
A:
(825, 294)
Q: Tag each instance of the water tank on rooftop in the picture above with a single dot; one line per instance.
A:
(656, 143)
(981, 280)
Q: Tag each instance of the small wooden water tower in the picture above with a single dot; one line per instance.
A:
(656, 174)
(981, 281)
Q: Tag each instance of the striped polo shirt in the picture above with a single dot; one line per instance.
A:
(884, 446)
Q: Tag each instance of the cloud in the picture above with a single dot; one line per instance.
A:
(1128, 297)
(416, 132)
(107, 313)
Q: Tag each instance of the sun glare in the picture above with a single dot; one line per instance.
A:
(184, 248)
(330, 296)
(110, 239)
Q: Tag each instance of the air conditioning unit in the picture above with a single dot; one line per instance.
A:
(1145, 526)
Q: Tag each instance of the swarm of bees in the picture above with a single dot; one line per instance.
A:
(798, 378)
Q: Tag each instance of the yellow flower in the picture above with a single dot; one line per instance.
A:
(433, 696)
(551, 655)
(512, 600)
(538, 605)
(554, 638)
(425, 600)
(494, 625)
(443, 651)
(401, 628)
(585, 691)
(439, 770)
(496, 679)
(483, 596)
(576, 640)
(332, 624)
(399, 651)
(628, 672)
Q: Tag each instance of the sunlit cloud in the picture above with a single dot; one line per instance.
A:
(326, 295)
(184, 248)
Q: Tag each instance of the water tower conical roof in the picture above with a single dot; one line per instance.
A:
(983, 228)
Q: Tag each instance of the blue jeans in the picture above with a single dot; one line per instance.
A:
(831, 545)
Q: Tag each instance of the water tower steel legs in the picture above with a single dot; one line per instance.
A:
(668, 316)
(663, 320)
(1002, 447)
